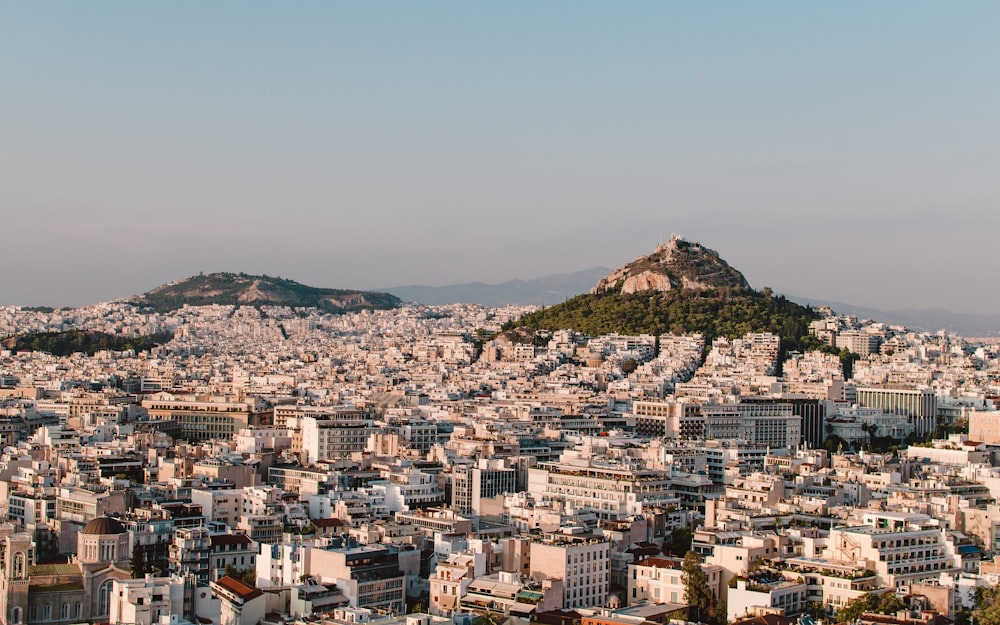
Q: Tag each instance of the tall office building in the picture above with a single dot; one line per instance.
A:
(487, 478)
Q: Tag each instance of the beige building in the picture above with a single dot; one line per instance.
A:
(786, 597)
(984, 426)
(660, 580)
(451, 580)
(207, 417)
(512, 595)
(833, 584)
(901, 548)
(610, 490)
(582, 562)
(336, 435)
(144, 601)
(736, 558)
(369, 576)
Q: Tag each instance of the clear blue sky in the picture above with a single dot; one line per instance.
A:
(847, 151)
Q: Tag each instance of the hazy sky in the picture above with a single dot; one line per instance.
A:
(843, 151)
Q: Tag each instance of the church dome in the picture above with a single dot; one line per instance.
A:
(103, 526)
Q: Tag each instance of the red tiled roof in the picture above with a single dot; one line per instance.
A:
(327, 522)
(238, 588)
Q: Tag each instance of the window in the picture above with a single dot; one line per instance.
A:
(103, 599)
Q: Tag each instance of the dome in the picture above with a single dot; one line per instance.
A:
(103, 526)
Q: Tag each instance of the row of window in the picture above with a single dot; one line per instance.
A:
(47, 612)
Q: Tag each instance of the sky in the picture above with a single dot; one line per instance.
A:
(842, 151)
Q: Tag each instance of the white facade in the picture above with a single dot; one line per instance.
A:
(145, 601)
(660, 580)
(584, 566)
(335, 436)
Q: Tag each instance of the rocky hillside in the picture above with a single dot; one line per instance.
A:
(246, 290)
(681, 287)
(677, 265)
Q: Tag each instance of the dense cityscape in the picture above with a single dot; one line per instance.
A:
(528, 428)
(434, 464)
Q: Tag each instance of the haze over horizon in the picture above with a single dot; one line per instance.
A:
(845, 152)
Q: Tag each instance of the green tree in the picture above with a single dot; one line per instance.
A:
(847, 360)
(679, 542)
(722, 612)
(834, 444)
(987, 610)
(702, 604)
(887, 603)
(248, 575)
(139, 567)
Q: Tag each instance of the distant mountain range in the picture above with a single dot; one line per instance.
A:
(556, 288)
(546, 290)
(247, 290)
(687, 267)
(930, 319)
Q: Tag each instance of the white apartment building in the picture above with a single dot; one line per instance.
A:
(280, 564)
(756, 423)
(582, 562)
(336, 435)
(670, 419)
(901, 548)
(259, 500)
(832, 584)
(791, 598)
(408, 489)
(369, 576)
(145, 601)
(486, 478)
(221, 505)
(235, 550)
(660, 580)
(451, 580)
(610, 490)
(858, 342)
(759, 423)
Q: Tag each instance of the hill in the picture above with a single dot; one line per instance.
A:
(681, 287)
(72, 341)
(678, 264)
(548, 289)
(240, 289)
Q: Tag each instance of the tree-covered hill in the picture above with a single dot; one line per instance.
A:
(72, 341)
(239, 289)
(714, 313)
